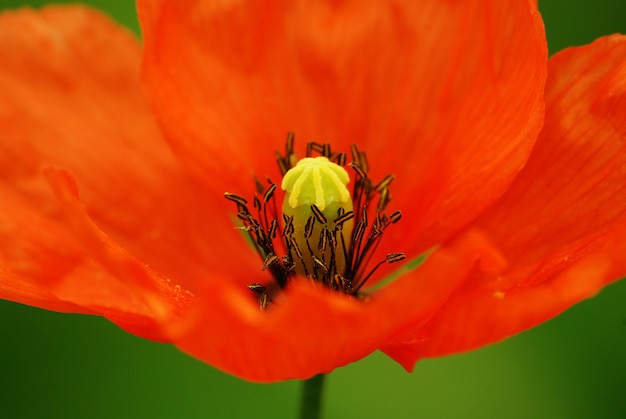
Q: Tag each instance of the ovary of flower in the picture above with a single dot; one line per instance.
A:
(316, 180)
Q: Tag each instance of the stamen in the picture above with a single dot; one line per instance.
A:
(321, 245)
(359, 171)
(320, 263)
(384, 183)
(270, 260)
(319, 215)
(269, 193)
(390, 258)
(259, 186)
(262, 295)
(236, 199)
(272, 231)
(288, 229)
(395, 217)
(359, 158)
(383, 200)
(289, 144)
(316, 191)
(308, 228)
(256, 202)
(342, 219)
(326, 150)
(283, 166)
(340, 159)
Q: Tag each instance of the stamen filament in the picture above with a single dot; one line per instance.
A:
(390, 258)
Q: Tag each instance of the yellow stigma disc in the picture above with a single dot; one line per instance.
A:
(316, 180)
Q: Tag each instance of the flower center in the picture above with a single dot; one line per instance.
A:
(325, 233)
(316, 191)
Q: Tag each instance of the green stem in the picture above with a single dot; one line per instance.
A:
(311, 402)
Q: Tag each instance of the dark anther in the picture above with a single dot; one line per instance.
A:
(270, 260)
(286, 162)
(264, 300)
(340, 159)
(308, 228)
(331, 239)
(262, 295)
(259, 186)
(318, 214)
(317, 147)
(282, 166)
(289, 143)
(320, 264)
(288, 230)
(383, 200)
(395, 217)
(356, 155)
(389, 258)
(326, 150)
(359, 170)
(269, 193)
(359, 231)
(384, 183)
(288, 263)
(256, 288)
(236, 199)
(395, 257)
(262, 241)
(341, 283)
(245, 216)
(257, 202)
(296, 248)
(359, 158)
(321, 245)
(342, 219)
(272, 231)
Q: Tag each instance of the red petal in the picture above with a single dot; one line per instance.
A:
(59, 105)
(36, 255)
(447, 95)
(42, 265)
(562, 226)
(21, 290)
(138, 299)
(311, 329)
(70, 97)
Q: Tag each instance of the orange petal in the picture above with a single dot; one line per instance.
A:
(36, 255)
(310, 329)
(41, 264)
(21, 290)
(60, 106)
(142, 300)
(562, 226)
(70, 97)
(447, 95)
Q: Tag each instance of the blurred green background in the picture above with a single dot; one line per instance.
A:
(69, 366)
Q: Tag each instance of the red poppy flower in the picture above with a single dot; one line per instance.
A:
(526, 216)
